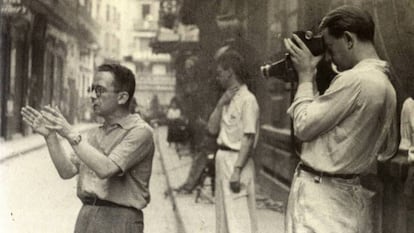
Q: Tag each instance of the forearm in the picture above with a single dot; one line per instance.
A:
(214, 120)
(298, 110)
(244, 154)
(102, 165)
(60, 159)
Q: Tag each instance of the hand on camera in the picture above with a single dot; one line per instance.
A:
(302, 59)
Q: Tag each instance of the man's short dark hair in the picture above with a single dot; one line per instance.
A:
(349, 18)
(232, 59)
(124, 79)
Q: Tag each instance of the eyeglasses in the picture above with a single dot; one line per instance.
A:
(99, 90)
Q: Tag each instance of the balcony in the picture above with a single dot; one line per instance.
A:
(148, 56)
(146, 25)
(155, 82)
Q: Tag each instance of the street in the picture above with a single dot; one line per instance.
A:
(34, 199)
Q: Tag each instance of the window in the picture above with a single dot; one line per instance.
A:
(144, 45)
(113, 19)
(108, 12)
(106, 41)
(98, 9)
(159, 69)
(136, 43)
(146, 10)
(88, 6)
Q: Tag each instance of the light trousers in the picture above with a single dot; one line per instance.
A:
(328, 205)
(235, 212)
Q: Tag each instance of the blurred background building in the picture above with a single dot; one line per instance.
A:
(51, 48)
(47, 57)
(154, 73)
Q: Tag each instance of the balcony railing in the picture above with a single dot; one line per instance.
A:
(146, 25)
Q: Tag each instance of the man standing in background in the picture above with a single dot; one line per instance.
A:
(235, 121)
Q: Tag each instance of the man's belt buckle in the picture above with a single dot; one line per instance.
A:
(317, 179)
(90, 200)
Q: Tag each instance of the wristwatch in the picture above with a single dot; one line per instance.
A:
(75, 139)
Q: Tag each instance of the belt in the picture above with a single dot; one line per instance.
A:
(223, 147)
(308, 169)
(94, 201)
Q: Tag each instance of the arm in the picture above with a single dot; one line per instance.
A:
(65, 167)
(313, 116)
(250, 116)
(103, 166)
(94, 159)
(213, 124)
(134, 146)
(246, 145)
(137, 145)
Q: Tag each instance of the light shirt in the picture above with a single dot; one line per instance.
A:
(129, 144)
(239, 117)
(173, 113)
(346, 129)
(407, 128)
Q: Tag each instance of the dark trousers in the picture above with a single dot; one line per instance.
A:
(197, 166)
(109, 219)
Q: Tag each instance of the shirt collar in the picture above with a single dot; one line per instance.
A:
(242, 88)
(126, 122)
(373, 62)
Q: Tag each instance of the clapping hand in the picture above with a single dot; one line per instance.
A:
(35, 120)
(56, 121)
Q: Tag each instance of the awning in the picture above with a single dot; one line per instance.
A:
(168, 41)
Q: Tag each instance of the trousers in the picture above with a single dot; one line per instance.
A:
(235, 212)
(328, 205)
(108, 219)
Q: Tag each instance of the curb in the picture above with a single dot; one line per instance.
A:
(178, 217)
(30, 143)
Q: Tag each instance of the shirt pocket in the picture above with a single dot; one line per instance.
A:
(233, 116)
(340, 134)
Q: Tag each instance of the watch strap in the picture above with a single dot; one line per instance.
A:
(75, 139)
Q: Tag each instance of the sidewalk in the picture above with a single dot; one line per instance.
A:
(12, 148)
(200, 217)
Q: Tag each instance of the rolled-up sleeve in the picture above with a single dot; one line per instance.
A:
(314, 115)
(134, 147)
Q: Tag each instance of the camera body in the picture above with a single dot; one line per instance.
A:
(280, 69)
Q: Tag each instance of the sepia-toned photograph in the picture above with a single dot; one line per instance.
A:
(207, 116)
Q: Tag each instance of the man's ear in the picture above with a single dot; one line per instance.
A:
(349, 39)
(123, 97)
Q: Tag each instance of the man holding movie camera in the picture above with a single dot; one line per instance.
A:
(344, 131)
